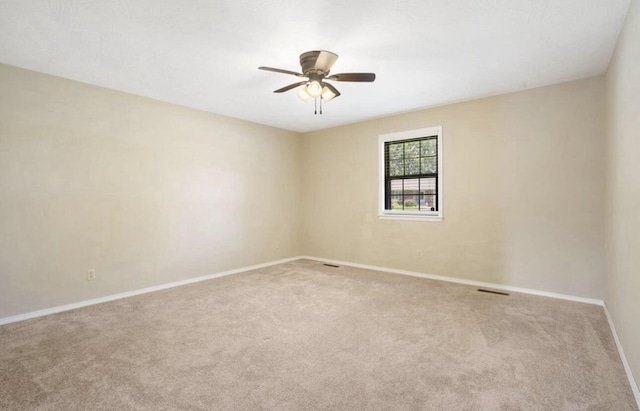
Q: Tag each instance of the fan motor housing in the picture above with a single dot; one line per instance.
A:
(310, 64)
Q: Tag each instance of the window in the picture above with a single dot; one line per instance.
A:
(411, 174)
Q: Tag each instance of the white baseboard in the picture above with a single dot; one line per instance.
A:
(73, 306)
(463, 281)
(625, 363)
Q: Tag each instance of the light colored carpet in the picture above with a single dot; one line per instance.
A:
(303, 336)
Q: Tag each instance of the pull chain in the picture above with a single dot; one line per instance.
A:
(315, 105)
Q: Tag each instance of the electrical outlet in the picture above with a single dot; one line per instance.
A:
(277, 245)
(419, 255)
(91, 275)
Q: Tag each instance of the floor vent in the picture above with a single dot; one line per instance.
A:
(331, 265)
(482, 290)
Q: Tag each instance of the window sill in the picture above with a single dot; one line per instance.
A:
(410, 217)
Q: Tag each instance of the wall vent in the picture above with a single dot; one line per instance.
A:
(484, 290)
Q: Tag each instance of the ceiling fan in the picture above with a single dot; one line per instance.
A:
(316, 65)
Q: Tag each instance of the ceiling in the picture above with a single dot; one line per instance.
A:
(205, 53)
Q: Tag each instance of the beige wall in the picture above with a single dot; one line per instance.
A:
(623, 189)
(523, 192)
(147, 192)
(142, 191)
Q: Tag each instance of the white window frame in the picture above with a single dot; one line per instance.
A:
(402, 214)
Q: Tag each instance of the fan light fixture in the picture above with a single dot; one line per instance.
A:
(314, 89)
(327, 94)
(303, 95)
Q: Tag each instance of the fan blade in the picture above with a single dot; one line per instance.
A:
(277, 70)
(289, 87)
(333, 89)
(360, 77)
(325, 60)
